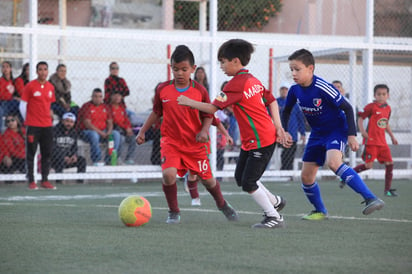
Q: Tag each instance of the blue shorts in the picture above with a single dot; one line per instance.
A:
(319, 144)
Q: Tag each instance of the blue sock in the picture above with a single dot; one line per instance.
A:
(354, 181)
(313, 194)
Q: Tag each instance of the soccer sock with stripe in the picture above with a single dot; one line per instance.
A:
(313, 194)
(360, 168)
(263, 201)
(354, 181)
(171, 197)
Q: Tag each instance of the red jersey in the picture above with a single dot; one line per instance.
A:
(120, 117)
(249, 99)
(39, 98)
(6, 89)
(14, 143)
(97, 114)
(378, 115)
(180, 124)
(2, 148)
(19, 85)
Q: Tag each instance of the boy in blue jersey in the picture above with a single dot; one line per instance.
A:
(333, 125)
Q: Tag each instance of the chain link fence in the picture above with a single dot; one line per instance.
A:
(88, 35)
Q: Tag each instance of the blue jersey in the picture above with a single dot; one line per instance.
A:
(320, 104)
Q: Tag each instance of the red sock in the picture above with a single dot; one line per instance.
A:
(217, 195)
(192, 185)
(171, 197)
(360, 168)
(388, 177)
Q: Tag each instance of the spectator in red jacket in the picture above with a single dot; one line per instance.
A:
(96, 125)
(122, 124)
(13, 146)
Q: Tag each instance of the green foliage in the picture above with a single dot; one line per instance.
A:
(233, 15)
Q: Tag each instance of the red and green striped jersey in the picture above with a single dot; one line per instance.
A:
(249, 99)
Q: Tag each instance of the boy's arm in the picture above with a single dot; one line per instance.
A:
(140, 138)
(362, 128)
(283, 137)
(222, 129)
(203, 135)
(389, 131)
(205, 107)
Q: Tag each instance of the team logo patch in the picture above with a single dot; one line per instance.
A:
(317, 102)
(382, 123)
(221, 97)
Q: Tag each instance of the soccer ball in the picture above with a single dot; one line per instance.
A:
(135, 211)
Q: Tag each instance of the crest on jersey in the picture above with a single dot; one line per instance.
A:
(221, 97)
(317, 102)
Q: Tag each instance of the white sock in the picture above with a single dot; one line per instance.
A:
(273, 198)
(263, 201)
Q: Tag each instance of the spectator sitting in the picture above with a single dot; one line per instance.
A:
(122, 124)
(95, 122)
(65, 147)
(114, 83)
(62, 89)
(13, 147)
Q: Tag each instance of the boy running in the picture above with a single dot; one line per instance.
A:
(257, 129)
(332, 121)
(374, 139)
(184, 131)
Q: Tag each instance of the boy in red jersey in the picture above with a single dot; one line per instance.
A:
(258, 130)
(184, 130)
(35, 107)
(374, 139)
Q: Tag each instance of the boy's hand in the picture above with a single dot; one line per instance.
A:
(202, 137)
(394, 141)
(140, 138)
(353, 143)
(183, 100)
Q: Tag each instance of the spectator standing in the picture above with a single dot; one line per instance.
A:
(65, 147)
(201, 77)
(35, 108)
(8, 104)
(185, 139)
(122, 124)
(62, 87)
(96, 125)
(22, 80)
(296, 124)
(13, 146)
(332, 121)
(376, 147)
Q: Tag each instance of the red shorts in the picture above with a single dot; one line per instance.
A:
(197, 161)
(382, 153)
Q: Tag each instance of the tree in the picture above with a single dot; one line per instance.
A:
(233, 15)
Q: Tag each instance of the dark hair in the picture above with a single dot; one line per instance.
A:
(182, 53)
(11, 66)
(236, 48)
(19, 123)
(337, 82)
(380, 86)
(23, 73)
(205, 82)
(112, 63)
(97, 90)
(41, 63)
(304, 56)
(60, 66)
